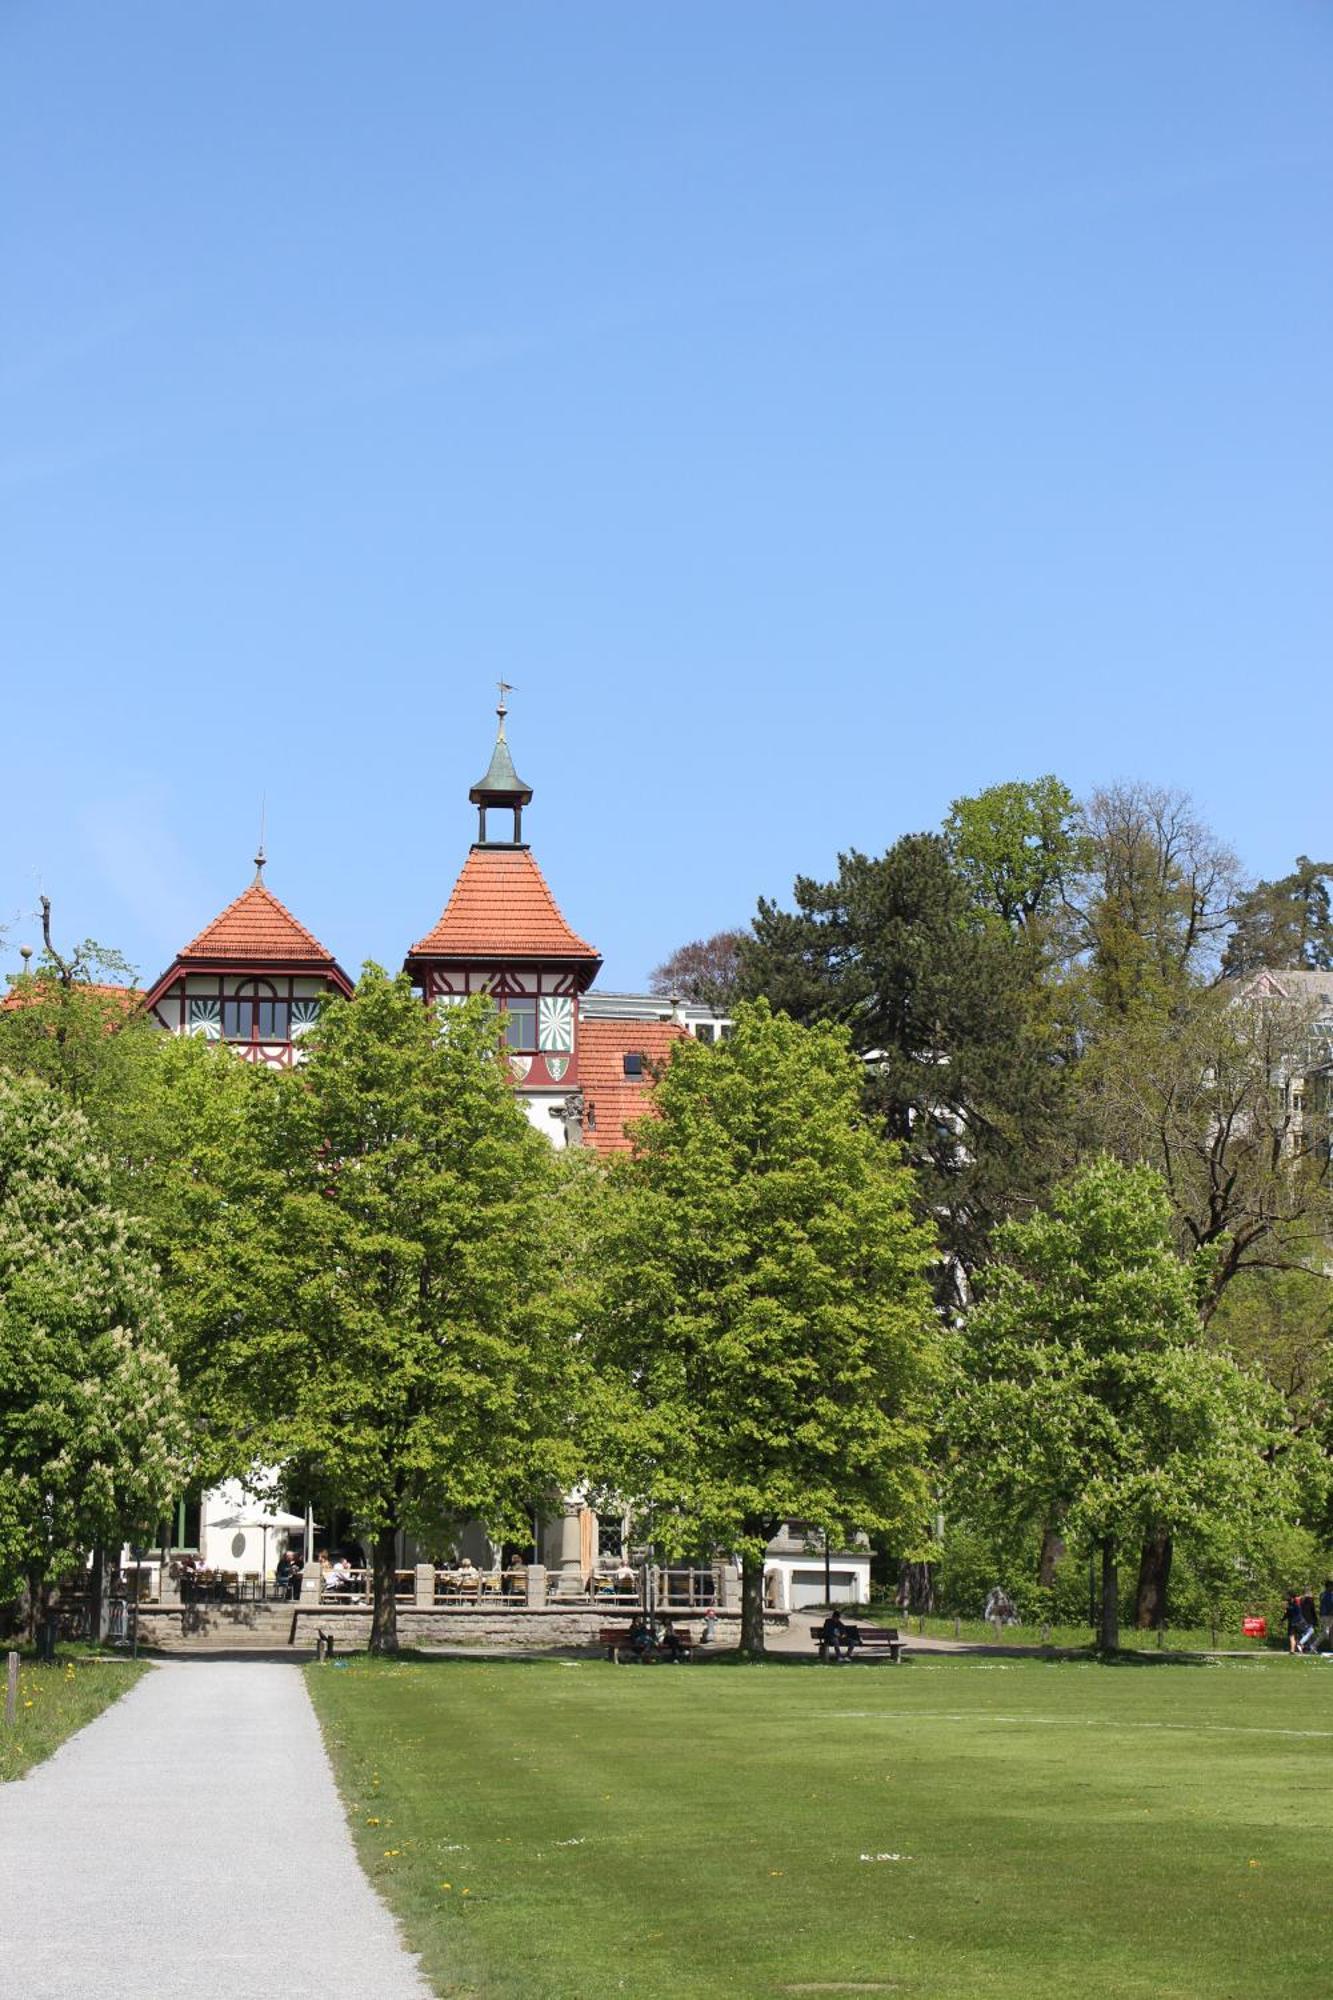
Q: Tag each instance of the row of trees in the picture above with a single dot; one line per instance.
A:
(1042, 983)
(374, 1273)
(982, 1208)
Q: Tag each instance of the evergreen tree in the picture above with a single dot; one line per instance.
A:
(1285, 925)
(962, 1067)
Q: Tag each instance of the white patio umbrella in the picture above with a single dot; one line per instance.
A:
(265, 1518)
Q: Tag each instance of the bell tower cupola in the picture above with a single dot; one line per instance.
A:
(501, 789)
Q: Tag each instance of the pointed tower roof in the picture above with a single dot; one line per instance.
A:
(501, 785)
(501, 908)
(256, 931)
(256, 926)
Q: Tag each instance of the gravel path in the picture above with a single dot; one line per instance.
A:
(190, 1845)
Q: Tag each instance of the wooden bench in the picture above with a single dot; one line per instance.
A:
(615, 1638)
(875, 1641)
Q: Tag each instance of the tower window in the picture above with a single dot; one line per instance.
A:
(520, 1024)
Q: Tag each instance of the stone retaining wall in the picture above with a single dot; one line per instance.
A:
(268, 1627)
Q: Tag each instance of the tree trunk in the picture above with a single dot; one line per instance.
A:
(752, 1604)
(1052, 1550)
(384, 1605)
(916, 1588)
(1154, 1577)
(38, 1596)
(97, 1594)
(1109, 1636)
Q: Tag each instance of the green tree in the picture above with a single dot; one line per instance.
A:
(764, 1316)
(958, 1064)
(392, 1305)
(1090, 1399)
(92, 1440)
(1156, 898)
(1284, 925)
(77, 1023)
(1019, 849)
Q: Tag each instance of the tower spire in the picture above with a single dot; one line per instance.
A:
(260, 856)
(501, 785)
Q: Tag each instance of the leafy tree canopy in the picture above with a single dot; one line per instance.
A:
(1088, 1395)
(389, 1274)
(764, 1312)
(1018, 847)
(92, 1440)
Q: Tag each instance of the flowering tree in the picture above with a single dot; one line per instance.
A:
(92, 1440)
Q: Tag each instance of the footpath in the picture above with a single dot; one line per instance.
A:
(190, 1845)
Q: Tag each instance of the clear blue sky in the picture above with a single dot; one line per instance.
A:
(817, 412)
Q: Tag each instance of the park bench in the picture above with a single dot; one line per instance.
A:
(875, 1642)
(615, 1638)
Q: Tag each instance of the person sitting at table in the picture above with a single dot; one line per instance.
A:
(287, 1568)
(338, 1582)
(515, 1578)
(626, 1581)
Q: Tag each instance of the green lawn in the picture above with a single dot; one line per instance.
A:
(54, 1702)
(1176, 1639)
(951, 1827)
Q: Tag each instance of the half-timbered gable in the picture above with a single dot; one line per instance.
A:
(253, 978)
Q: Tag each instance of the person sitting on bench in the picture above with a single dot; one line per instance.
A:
(641, 1638)
(834, 1636)
(670, 1641)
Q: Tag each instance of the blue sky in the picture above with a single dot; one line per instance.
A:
(816, 412)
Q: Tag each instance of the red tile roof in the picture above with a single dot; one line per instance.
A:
(257, 929)
(502, 908)
(40, 984)
(254, 931)
(610, 1097)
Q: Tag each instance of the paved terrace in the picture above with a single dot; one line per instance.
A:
(190, 1845)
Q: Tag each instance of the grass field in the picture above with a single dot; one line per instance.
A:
(54, 1702)
(951, 1827)
(1177, 1638)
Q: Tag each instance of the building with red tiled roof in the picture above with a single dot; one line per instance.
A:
(502, 933)
(619, 1060)
(254, 978)
(31, 988)
(583, 1065)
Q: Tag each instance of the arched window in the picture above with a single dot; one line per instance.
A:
(252, 1012)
